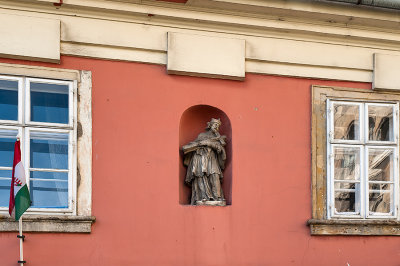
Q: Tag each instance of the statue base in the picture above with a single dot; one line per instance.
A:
(211, 203)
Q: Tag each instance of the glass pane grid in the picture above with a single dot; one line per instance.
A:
(49, 193)
(9, 99)
(346, 121)
(346, 163)
(381, 164)
(49, 151)
(47, 158)
(347, 201)
(7, 141)
(380, 122)
(49, 103)
(374, 154)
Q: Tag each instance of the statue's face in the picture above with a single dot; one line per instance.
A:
(215, 127)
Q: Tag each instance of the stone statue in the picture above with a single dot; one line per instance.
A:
(205, 160)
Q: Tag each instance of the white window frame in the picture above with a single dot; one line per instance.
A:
(6, 168)
(364, 144)
(72, 102)
(25, 126)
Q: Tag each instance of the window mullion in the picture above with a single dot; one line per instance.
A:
(396, 176)
(331, 190)
(24, 133)
(330, 187)
(364, 185)
(26, 107)
(364, 161)
(26, 142)
(21, 101)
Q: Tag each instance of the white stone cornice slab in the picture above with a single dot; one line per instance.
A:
(386, 72)
(32, 38)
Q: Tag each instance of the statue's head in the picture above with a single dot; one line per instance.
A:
(214, 124)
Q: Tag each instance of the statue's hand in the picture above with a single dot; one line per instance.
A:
(219, 149)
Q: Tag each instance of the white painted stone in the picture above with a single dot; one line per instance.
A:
(386, 72)
(211, 203)
(84, 189)
(47, 223)
(205, 56)
(29, 38)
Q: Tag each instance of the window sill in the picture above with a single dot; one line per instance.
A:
(354, 227)
(49, 223)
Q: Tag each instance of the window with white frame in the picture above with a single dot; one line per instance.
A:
(43, 113)
(362, 159)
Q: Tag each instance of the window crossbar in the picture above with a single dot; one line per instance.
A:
(381, 182)
(346, 181)
(48, 170)
(345, 190)
(44, 179)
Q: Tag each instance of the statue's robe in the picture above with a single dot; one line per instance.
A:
(205, 169)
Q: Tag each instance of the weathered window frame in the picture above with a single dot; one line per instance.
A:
(321, 224)
(80, 219)
(25, 127)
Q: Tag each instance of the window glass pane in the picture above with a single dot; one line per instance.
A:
(346, 121)
(49, 175)
(7, 141)
(346, 163)
(49, 194)
(346, 202)
(4, 191)
(380, 123)
(380, 196)
(49, 150)
(380, 164)
(5, 174)
(8, 100)
(49, 103)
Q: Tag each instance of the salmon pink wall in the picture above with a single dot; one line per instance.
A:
(136, 114)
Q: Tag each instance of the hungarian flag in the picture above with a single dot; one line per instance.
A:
(19, 193)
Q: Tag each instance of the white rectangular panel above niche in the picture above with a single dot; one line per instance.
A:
(206, 56)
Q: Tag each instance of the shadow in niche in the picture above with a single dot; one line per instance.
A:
(193, 122)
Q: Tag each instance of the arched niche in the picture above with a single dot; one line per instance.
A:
(193, 122)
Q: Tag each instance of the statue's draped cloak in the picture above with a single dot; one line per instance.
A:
(203, 163)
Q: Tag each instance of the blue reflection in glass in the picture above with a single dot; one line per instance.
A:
(49, 175)
(49, 103)
(47, 153)
(4, 190)
(5, 174)
(6, 152)
(49, 194)
(8, 100)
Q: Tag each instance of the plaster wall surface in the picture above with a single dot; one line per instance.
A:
(139, 221)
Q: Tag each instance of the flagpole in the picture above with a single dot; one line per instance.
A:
(21, 241)
(19, 195)
(21, 236)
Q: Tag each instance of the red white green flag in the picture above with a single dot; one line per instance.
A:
(19, 193)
